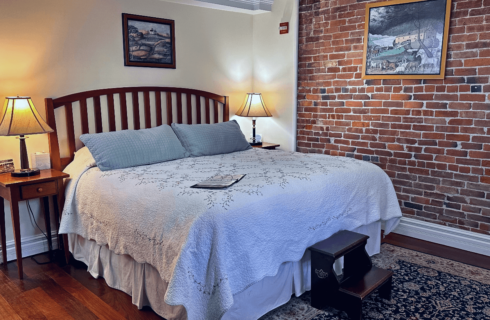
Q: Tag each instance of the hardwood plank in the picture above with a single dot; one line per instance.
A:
(78, 271)
(189, 108)
(25, 309)
(136, 110)
(101, 309)
(118, 300)
(70, 129)
(24, 284)
(44, 303)
(11, 292)
(6, 311)
(124, 110)
(158, 102)
(69, 303)
(122, 303)
(146, 95)
(98, 114)
(111, 112)
(84, 115)
(170, 118)
(7, 287)
(438, 250)
(31, 268)
(85, 296)
(68, 283)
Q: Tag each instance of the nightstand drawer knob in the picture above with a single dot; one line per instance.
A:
(39, 190)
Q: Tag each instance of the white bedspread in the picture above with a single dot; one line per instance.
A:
(211, 244)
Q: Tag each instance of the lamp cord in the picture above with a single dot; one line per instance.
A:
(33, 221)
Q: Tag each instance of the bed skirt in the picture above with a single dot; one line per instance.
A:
(143, 283)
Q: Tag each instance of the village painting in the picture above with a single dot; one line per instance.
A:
(149, 42)
(406, 39)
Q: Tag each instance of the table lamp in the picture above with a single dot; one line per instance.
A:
(19, 117)
(254, 107)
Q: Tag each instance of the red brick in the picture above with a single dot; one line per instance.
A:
(477, 62)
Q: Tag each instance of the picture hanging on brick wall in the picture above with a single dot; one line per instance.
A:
(406, 39)
(148, 42)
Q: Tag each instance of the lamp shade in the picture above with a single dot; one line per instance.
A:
(19, 117)
(253, 106)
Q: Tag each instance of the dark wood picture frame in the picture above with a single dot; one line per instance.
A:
(148, 48)
(414, 54)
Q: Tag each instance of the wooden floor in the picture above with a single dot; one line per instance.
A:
(60, 291)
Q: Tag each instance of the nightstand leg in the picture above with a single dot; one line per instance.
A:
(57, 206)
(14, 211)
(2, 232)
(47, 222)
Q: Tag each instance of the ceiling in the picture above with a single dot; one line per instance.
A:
(244, 6)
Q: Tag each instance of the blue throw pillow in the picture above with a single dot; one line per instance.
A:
(131, 148)
(210, 139)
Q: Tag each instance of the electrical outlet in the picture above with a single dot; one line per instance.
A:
(475, 88)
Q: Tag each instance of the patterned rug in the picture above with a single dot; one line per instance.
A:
(424, 287)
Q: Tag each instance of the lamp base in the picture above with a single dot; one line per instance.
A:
(255, 143)
(25, 173)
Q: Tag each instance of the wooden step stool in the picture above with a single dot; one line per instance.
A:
(359, 279)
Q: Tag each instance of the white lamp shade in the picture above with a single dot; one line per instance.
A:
(253, 106)
(19, 117)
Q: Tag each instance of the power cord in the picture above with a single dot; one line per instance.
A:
(33, 221)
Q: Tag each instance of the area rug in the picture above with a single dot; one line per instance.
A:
(424, 287)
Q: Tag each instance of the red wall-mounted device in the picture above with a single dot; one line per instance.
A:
(283, 27)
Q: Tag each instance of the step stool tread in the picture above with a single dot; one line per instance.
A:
(372, 280)
(339, 244)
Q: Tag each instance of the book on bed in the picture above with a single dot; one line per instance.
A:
(219, 182)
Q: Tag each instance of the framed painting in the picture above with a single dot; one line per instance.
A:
(148, 42)
(406, 39)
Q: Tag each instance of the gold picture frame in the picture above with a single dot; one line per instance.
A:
(406, 39)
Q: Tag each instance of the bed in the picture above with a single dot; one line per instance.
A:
(205, 254)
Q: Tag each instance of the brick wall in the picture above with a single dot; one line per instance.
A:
(430, 136)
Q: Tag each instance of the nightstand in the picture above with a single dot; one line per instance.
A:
(47, 183)
(268, 146)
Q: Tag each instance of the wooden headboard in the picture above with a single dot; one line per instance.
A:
(167, 101)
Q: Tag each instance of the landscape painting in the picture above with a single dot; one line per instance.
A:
(406, 39)
(148, 42)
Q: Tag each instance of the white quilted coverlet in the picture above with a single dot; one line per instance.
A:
(211, 244)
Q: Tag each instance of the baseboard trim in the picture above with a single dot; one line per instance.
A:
(30, 246)
(443, 235)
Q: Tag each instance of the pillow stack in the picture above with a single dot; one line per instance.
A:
(131, 148)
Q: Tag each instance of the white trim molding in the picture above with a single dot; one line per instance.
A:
(30, 246)
(448, 236)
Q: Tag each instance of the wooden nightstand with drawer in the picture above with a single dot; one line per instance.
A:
(13, 189)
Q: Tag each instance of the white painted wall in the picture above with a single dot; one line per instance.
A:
(51, 48)
(275, 62)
